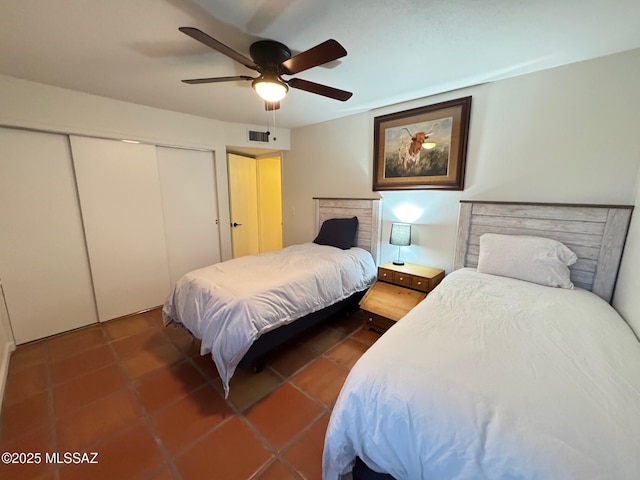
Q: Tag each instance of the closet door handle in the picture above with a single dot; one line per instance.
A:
(234, 224)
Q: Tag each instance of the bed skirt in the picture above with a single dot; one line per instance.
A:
(254, 358)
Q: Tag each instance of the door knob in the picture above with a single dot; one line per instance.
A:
(234, 224)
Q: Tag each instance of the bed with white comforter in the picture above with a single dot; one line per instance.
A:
(230, 304)
(494, 378)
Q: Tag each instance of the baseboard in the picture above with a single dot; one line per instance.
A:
(5, 357)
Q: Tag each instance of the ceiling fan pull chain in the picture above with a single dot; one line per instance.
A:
(267, 132)
(274, 124)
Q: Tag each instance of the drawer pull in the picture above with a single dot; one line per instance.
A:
(401, 278)
(419, 283)
(370, 320)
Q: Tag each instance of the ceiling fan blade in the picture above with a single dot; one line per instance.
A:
(216, 45)
(319, 89)
(318, 55)
(196, 81)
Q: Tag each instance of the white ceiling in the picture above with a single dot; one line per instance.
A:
(397, 50)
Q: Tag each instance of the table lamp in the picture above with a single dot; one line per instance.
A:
(401, 237)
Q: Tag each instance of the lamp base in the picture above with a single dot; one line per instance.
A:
(398, 262)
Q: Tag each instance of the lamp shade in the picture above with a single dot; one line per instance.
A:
(400, 234)
(270, 88)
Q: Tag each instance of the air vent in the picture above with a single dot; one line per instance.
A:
(258, 136)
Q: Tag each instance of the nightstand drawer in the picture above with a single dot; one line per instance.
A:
(403, 279)
(397, 278)
(421, 283)
(408, 280)
(384, 274)
(377, 322)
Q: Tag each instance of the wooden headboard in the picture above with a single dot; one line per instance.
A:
(366, 209)
(595, 233)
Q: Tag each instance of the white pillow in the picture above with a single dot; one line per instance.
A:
(534, 259)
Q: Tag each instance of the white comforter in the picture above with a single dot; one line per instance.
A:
(230, 304)
(494, 378)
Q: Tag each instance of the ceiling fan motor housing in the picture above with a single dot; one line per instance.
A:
(268, 55)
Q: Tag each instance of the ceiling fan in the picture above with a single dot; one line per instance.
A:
(271, 60)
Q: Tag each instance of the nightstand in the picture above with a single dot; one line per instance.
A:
(397, 290)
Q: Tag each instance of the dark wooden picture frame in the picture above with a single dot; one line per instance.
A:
(422, 148)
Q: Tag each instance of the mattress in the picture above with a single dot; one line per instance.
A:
(230, 304)
(491, 377)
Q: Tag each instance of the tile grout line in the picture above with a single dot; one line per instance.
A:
(343, 332)
(146, 416)
(279, 454)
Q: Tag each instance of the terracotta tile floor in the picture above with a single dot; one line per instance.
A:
(142, 397)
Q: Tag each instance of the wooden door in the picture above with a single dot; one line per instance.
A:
(269, 204)
(243, 205)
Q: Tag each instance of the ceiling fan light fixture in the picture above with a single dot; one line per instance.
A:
(270, 89)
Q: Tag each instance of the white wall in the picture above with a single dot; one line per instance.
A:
(561, 135)
(567, 134)
(626, 299)
(330, 159)
(37, 106)
(237, 135)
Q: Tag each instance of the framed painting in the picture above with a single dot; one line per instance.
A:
(422, 148)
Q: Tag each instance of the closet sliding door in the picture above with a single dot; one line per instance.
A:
(121, 204)
(187, 183)
(43, 258)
